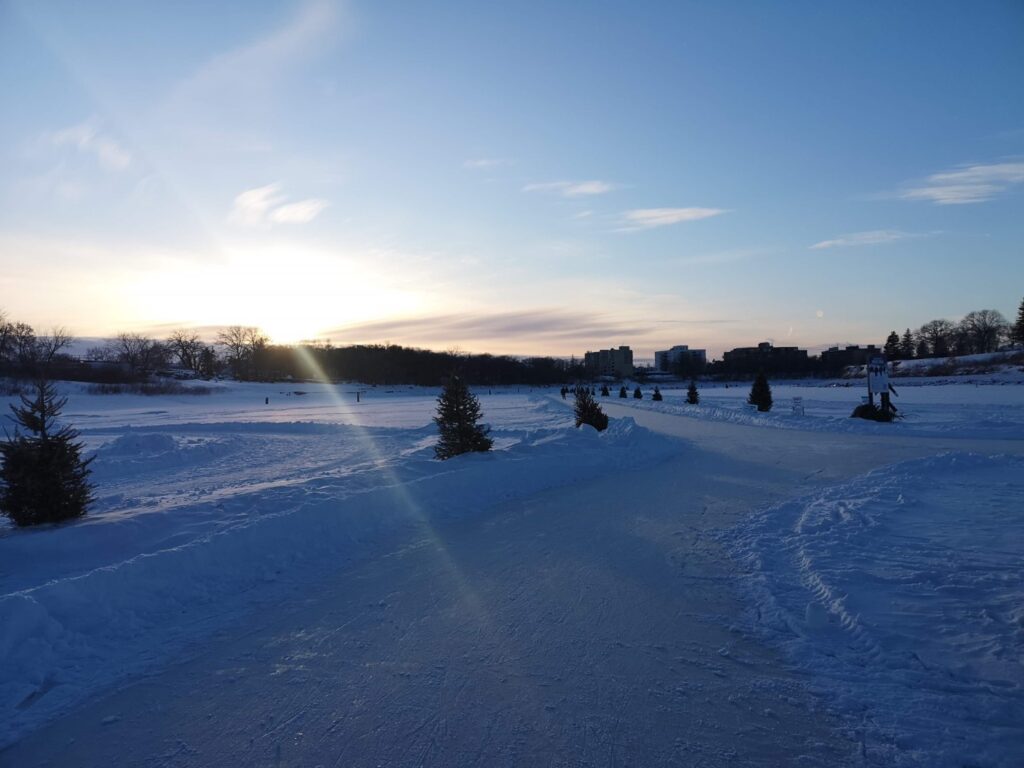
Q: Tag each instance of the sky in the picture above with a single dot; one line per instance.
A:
(517, 178)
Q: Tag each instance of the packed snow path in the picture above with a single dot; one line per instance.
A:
(591, 625)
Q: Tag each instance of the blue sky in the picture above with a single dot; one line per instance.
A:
(523, 177)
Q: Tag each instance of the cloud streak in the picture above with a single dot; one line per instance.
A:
(539, 325)
(649, 218)
(572, 188)
(872, 237)
(967, 184)
(486, 163)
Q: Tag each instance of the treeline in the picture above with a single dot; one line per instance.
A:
(985, 330)
(245, 353)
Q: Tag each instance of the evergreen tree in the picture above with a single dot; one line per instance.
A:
(604, 390)
(622, 391)
(761, 394)
(692, 395)
(588, 411)
(907, 345)
(1017, 332)
(922, 349)
(892, 346)
(458, 414)
(656, 395)
(43, 478)
(637, 394)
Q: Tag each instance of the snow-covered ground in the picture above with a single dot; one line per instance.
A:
(201, 508)
(901, 595)
(893, 594)
(929, 409)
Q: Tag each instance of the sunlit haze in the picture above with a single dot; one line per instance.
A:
(538, 178)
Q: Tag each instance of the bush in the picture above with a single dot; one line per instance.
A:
(43, 478)
(657, 395)
(761, 394)
(458, 416)
(637, 394)
(588, 411)
(622, 392)
(692, 395)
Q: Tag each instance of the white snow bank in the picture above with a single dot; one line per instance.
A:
(901, 594)
(85, 604)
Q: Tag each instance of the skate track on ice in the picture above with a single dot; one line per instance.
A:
(589, 625)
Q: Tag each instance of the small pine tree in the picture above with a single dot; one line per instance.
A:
(637, 394)
(761, 394)
(656, 395)
(588, 411)
(43, 478)
(622, 392)
(907, 345)
(458, 416)
(892, 346)
(1017, 332)
(692, 395)
(604, 390)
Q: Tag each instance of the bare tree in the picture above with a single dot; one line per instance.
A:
(140, 353)
(23, 344)
(49, 346)
(937, 334)
(244, 345)
(5, 337)
(188, 348)
(985, 328)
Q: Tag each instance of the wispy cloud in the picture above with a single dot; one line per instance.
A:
(86, 137)
(266, 204)
(872, 237)
(486, 163)
(572, 188)
(967, 184)
(538, 325)
(298, 213)
(247, 74)
(648, 218)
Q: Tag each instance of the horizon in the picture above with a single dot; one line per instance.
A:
(532, 181)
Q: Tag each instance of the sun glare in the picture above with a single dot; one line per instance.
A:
(292, 294)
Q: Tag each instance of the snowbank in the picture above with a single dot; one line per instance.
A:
(83, 605)
(901, 595)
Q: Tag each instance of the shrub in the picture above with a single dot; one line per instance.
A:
(458, 417)
(588, 411)
(692, 395)
(761, 394)
(43, 478)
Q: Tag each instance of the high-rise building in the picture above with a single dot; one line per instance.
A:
(610, 362)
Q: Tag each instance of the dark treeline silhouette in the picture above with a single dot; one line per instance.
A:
(393, 364)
